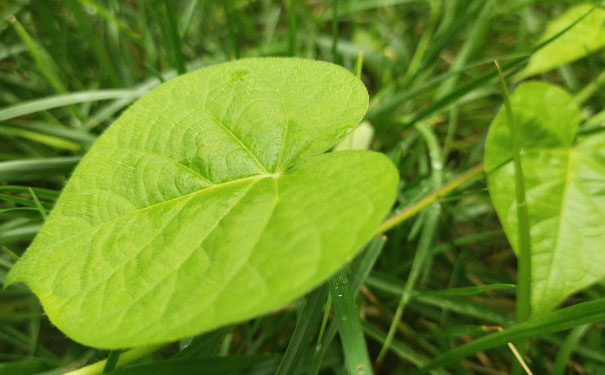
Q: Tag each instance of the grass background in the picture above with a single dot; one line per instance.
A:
(68, 69)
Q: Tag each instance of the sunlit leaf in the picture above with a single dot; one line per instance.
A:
(209, 202)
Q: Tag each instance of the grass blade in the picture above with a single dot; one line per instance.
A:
(566, 318)
(346, 314)
(400, 349)
(174, 36)
(306, 324)
(567, 349)
(56, 101)
(43, 60)
(31, 169)
(361, 269)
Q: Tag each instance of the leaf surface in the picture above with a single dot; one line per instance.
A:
(585, 37)
(208, 202)
(565, 191)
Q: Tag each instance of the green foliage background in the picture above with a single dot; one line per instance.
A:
(69, 68)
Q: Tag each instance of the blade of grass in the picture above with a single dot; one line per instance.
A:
(400, 349)
(203, 345)
(235, 48)
(360, 270)
(45, 139)
(43, 60)
(567, 349)
(31, 169)
(306, 324)
(414, 66)
(586, 350)
(352, 7)
(41, 192)
(75, 135)
(560, 320)
(92, 38)
(26, 232)
(38, 204)
(17, 200)
(56, 101)
(112, 361)
(443, 299)
(429, 229)
(237, 365)
(127, 357)
(346, 314)
(34, 322)
(110, 17)
(172, 34)
(463, 89)
(186, 17)
(475, 40)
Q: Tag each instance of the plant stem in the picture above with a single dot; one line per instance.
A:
(412, 210)
(125, 358)
(523, 302)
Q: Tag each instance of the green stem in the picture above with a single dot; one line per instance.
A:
(412, 210)
(523, 303)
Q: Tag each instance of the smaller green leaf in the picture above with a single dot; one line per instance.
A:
(565, 191)
(587, 36)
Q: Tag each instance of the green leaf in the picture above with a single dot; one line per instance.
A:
(587, 36)
(564, 190)
(209, 202)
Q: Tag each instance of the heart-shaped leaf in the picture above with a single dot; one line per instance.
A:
(565, 191)
(585, 37)
(208, 202)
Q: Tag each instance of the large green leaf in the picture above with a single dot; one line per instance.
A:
(565, 191)
(586, 36)
(209, 202)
